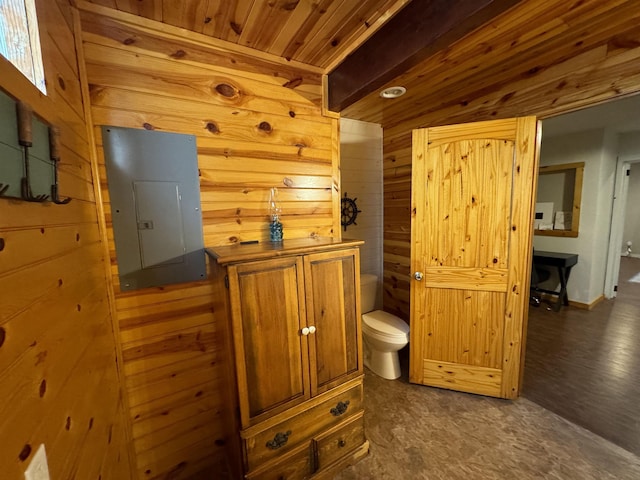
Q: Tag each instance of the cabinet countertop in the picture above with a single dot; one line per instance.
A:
(257, 251)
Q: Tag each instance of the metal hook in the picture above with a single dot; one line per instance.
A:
(26, 191)
(25, 138)
(3, 189)
(54, 191)
(54, 153)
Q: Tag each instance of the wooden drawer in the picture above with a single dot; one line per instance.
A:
(339, 441)
(282, 433)
(295, 465)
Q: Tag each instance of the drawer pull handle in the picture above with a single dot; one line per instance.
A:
(340, 408)
(341, 443)
(279, 440)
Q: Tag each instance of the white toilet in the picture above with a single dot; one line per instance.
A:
(384, 334)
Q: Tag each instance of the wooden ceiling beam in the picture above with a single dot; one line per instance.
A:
(418, 31)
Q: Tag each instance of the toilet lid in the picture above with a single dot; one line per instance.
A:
(385, 323)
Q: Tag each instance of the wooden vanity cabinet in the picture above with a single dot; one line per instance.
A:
(294, 314)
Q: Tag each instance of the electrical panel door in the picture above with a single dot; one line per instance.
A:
(155, 206)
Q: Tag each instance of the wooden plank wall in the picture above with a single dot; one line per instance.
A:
(541, 58)
(59, 381)
(258, 124)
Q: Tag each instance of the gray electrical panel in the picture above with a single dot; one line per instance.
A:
(155, 206)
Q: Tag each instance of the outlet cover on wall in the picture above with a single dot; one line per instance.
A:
(38, 468)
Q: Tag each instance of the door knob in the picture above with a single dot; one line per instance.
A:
(305, 331)
(418, 276)
(312, 329)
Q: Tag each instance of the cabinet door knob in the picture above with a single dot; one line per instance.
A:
(418, 276)
(312, 329)
(305, 331)
(341, 443)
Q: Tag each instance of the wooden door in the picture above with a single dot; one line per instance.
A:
(473, 191)
(268, 314)
(332, 284)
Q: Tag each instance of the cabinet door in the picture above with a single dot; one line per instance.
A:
(267, 311)
(332, 284)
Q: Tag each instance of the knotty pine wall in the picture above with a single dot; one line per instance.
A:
(540, 58)
(59, 381)
(258, 124)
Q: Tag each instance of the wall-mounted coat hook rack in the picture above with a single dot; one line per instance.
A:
(54, 153)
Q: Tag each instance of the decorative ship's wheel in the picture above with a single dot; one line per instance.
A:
(349, 211)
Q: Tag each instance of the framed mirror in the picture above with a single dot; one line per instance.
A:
(558, 200)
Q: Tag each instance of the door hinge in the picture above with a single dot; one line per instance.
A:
(226, 281)
(628, 172)
(615, 289)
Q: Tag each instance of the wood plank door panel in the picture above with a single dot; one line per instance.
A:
(268, 313)
(473, 191)
(332, 284)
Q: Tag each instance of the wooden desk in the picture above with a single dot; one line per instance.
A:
(564, 262)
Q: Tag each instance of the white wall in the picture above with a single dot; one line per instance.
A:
(632, 218)
(361, 178)
(630, 152)
(598, 150)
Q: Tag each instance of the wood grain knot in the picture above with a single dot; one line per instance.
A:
(507, 97)
(293, 83)
(265, 127)
(207, 20)
(3, 336)
(25, 452)
(289, 6)
(63, 86)
(2, 243)
(335, 42)
(129, 41)
(292, 114)
(59, 282)
(212, 127)
(219, 442)
(90, 423)
(178, 54)
(233, 239)
(227, 90)
(43, 388)
(148, 126)
(174, 472)
(77, 237)
(67, 425)
(236, 28)
(287, 181)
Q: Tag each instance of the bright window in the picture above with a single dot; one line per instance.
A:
(20, 41)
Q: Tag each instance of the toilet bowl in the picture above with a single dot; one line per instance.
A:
(384, 334)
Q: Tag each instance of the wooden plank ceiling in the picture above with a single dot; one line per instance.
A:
(315, 32)
(541, 57)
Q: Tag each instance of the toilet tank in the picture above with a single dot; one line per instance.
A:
(368, 290)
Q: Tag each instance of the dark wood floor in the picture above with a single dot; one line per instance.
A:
(585, 365)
